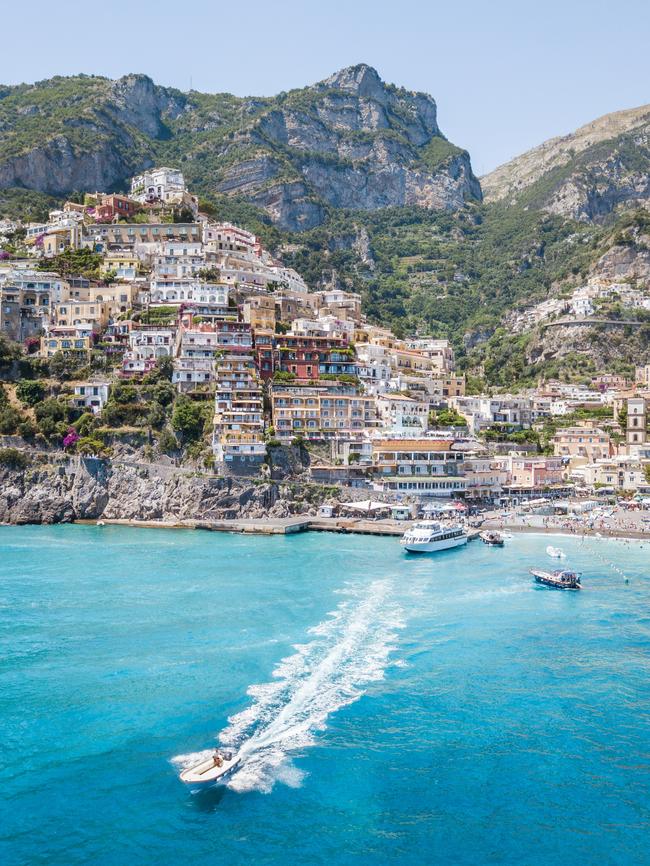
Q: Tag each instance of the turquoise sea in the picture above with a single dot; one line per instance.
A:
(395, 710)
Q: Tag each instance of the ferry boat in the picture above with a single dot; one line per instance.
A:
(210, 770)
(560, 579)
(429, 536)
(491, 537)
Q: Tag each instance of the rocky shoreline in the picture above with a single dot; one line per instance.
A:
(67, 490)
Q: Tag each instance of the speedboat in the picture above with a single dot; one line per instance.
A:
(492, 537)
(213, 769)
(555, 552)
(560, 579)
(429, 536)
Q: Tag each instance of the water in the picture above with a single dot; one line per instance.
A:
(393, 710)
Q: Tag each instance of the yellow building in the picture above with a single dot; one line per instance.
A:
(123, 264)
(70, 313)
(118, 298)
(259, 312)
(65, 340)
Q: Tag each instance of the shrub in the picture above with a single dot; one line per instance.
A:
(283, 376)
(85, 424)
(50, 417)
(188, 418)
(63, 368)
(13, 458)
(123, 392)
(156, 417)
(30, 392)
(9, 351)
(167, 442)
(10, 419)
(71, 438)
(91, 447)
(27, 429)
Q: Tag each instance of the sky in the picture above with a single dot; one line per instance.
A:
(506, 74)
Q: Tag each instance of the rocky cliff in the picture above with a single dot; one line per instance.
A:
(350, 141)
(585, 175)
(88, 489)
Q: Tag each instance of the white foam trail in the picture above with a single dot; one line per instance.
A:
(348, 650)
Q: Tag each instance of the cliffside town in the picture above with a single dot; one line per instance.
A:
(156, 363)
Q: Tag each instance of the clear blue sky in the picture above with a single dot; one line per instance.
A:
(506, 74)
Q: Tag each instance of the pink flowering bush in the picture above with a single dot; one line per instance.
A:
(71, 438)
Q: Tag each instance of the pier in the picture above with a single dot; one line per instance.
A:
(283, 525)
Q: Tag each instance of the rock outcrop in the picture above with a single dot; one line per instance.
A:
(350, 141)
(585, 175)
(88, 489)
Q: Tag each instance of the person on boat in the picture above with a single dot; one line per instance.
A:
(218, 760)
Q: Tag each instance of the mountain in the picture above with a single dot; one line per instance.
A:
(351, 141)
(352, 182)
(585, 175)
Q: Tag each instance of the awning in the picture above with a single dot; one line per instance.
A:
(366, 506)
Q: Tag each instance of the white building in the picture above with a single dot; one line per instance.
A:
(91, 396)
(146, 346)
(400, 414)
(158, 184)
(177, 291)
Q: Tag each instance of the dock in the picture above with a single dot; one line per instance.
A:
(281, 525)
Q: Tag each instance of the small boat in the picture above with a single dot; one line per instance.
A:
(492, 537)
(429, 536)
(555, 552)
(213, 769)
(560, 579)
(100, 523)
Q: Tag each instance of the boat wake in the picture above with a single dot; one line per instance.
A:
(348, 650)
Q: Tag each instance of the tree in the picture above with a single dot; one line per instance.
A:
(187, 418)
(124, 392)
(85, 424)
(167, 442)
(50, 417)
(156, 417)
(13, 458)
(82, 262)
(161, 372)
(164, 393)
(9, 351)
(63, 367)
(30, 392)
(10, 419)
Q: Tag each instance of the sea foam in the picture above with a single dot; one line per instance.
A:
(346, 652)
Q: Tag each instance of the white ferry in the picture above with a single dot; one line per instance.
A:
(429, 536)
(213, 769)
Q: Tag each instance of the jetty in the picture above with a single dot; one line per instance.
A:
(283, 525)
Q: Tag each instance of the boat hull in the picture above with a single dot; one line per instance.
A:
(434, 546)
(551, 584)
(492, 540)
(206, 773)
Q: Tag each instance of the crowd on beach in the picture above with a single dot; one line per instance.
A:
(612, 520)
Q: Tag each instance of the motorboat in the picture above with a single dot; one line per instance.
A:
(555, 552)
(430, 536)
(492, 537)
(559, 579)
(216, 768)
